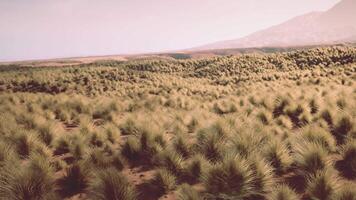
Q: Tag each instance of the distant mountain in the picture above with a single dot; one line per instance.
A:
(333, 26)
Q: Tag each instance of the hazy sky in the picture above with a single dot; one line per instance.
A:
(34, 29)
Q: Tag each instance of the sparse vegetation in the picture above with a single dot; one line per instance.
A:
(277, 126)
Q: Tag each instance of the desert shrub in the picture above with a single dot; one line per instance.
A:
(322, 186)
(277, 153)
(347, 164)
(283, 192)
(232, 177)
(187, 192)
(163, 181)
(76, 179)
(110, 184)
(34, 181)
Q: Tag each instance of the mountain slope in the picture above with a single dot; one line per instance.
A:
(333, 26)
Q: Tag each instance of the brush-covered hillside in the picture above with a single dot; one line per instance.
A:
(251, 126)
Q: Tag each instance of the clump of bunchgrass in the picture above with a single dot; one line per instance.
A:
(310, 158)
(76, 180)
(277, 153)
(347, 164)
(320, 136)
(110, 184)
(7, 153)
(163, 181)
(211, 145)
(171, 160)
(283, 192)
(48, 132)
(342, 127)
(32, 181)
(187, 192)
(131, 149)
(232, 177)
(25, 143)
(346, 192)
(129, 127)
(263, 177)
(62, 145)
(196, 167)
(284, 122)
(112, 133)
(265, 117)
(322, 186)
(182, 146)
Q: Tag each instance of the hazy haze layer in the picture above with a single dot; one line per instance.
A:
(36, 29)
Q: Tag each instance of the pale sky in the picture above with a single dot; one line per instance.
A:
(39, 29)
